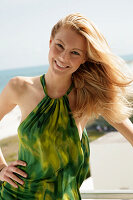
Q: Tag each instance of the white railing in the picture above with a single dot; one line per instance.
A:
(108, 194)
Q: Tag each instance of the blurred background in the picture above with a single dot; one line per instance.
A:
(25, 28)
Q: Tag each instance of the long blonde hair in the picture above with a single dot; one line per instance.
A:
(101, 85)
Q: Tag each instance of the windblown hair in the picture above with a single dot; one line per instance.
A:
(102, 84)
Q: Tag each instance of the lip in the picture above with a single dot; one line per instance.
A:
(60, 68)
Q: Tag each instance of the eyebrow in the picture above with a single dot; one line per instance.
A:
(73, 48)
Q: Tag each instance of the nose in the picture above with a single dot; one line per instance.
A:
(64, 56)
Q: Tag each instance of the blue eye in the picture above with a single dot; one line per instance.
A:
(75, 53)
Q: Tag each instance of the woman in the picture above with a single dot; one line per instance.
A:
(83, 81)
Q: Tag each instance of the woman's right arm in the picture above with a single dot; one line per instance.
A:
(9, 98)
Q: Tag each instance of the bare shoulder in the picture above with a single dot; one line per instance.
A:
(16, 87)
(13, 92)
(19, 82)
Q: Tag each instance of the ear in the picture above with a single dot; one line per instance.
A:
(50, 41)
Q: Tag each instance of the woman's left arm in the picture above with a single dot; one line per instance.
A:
(125, 128)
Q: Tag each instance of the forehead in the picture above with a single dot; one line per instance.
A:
(71, 38)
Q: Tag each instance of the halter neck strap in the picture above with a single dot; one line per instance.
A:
(45, 90)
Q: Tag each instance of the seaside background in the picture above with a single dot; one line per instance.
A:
(25, 31)
(10, 122)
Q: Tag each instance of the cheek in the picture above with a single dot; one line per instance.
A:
(53, 51)
(77, 62)
(51, 54)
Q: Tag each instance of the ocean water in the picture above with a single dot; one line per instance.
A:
(9, 124)
(6, 75)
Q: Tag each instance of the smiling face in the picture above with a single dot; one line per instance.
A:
(67, 51)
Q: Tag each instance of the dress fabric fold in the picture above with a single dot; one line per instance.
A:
(57, 160)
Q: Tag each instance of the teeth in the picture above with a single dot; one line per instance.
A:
(60, 65)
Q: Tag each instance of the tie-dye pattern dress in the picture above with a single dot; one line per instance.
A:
(57, 160)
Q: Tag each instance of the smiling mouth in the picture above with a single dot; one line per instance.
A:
(60, 66)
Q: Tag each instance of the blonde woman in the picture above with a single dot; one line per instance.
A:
(84, 80)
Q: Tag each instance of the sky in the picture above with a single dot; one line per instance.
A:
(25, 27)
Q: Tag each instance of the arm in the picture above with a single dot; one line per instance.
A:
(8, 100)
(7, 103)
(125, 128)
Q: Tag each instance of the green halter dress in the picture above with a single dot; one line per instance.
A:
(57, 160)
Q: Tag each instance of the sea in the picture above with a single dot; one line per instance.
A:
(10, 122)
(6, 75)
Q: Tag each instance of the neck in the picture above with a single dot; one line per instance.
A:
(57, 85)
